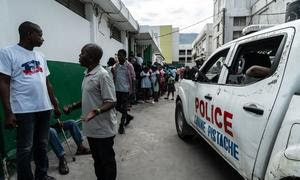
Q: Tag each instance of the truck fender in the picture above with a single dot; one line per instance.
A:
(285, 158)
(181, 96)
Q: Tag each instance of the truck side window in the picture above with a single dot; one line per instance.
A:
(212, 69)
(254, 61)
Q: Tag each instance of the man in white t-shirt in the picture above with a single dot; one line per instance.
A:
(28, 100)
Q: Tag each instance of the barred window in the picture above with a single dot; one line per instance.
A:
(239, 21)
(181, 52)
(74, 5)
(116, 34)
(237, 34)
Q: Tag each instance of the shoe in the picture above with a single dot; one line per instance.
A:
(166, 98)
(63, 166)
(172, 99)
(121, 130)
(152, 102)
(83, 151)
(129, 118)
(48, 178)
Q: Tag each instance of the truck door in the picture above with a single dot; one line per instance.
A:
(252, 84)
(204, 92)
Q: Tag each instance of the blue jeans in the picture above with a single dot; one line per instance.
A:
(54, 140)
(32, 139)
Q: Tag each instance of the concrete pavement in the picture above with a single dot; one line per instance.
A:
(151, 150)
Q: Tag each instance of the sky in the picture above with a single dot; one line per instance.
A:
(179, 13)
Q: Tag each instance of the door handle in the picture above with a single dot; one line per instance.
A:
(254, 109)
(208, 97)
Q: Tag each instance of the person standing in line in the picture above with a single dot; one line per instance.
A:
(145, 83)
(124, 77)
(110, 63)
(28, 100)
(162, 81)
(170, 86)
(155, 83)
(137, 70)
(98, 113)
(139, 59)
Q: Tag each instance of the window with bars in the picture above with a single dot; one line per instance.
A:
(237, 34)
(182, 59)
(116, 34)
(182, 52)
(239, 21)
(76, 6)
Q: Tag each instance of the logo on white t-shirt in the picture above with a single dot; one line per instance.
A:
(32, 67)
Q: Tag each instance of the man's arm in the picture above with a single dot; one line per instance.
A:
(71, 107)
(10, 118)
(106, 106)
(53, 99)
(258, 71)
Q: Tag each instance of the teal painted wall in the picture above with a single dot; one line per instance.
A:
(66, 80)
(148, 55)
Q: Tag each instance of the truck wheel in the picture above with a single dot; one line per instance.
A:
(184, 131)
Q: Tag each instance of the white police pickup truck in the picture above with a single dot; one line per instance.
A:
(245, 102)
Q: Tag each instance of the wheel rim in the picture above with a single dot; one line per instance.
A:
(180, 121)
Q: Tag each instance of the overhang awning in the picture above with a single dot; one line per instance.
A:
(145, 38)
(118, 14)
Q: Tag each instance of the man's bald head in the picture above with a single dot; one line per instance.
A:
(90, 55)
(94, 51)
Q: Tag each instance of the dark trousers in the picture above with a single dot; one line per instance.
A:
(122, 102)
(32, 138)
(104, 157)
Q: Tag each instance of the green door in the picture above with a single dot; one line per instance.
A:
(148, 55)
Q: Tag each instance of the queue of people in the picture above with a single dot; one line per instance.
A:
(28, 101)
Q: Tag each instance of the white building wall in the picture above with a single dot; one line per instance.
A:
(64, 31)
(235, 8)
(255, 11)
(100, 30)
(186, 47)
(156, 33)
(263, 11)
(110, 46)
(232, 9)
(202, 46)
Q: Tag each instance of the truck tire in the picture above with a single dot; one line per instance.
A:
(184, 131)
